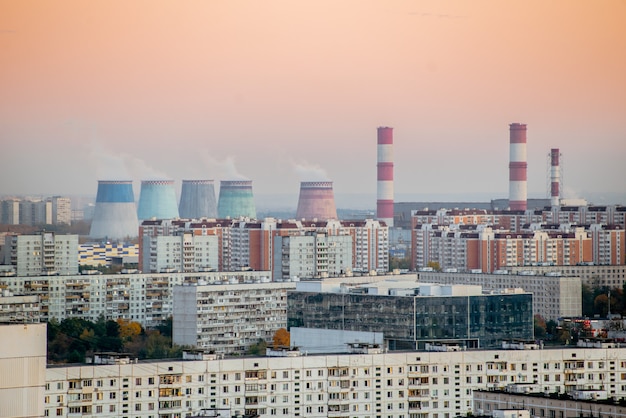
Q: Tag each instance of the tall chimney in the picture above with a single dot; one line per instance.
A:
(384, 204)
(555, 177)
(517, 167)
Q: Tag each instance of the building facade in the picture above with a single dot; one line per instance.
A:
(229, 318)
(44, 254)
(554, 296)
(407, 385)
(411, 315)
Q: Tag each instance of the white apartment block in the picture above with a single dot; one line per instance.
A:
(36, 212)
(144, 298)
(371, 245)
(311, 255)
(229, 318)
(46, 253)
(554, 296)
(437, 384)
(184, 252)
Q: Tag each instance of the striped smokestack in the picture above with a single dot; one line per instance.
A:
(236, 199)
(316, 201)
(517, 167)
(115, 214)
(555, 177)
(157, 199)
(384, 204)
(197, 199)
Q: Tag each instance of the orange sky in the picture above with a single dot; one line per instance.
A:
(198, 89)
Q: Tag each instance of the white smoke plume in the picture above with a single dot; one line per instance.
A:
(223, 170)
(310, 172)
(122, 166)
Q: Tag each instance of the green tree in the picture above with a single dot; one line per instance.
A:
(258, 349)
(434, 265)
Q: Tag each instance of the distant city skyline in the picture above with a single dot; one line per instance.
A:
(281, 92)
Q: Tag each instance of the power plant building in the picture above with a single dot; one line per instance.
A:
(157, 199)
(236, 200)
(115, 214)
(316, 201)
(197, 199)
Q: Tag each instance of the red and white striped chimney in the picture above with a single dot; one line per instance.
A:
(517, 167)
(555, 177)
(384, 204)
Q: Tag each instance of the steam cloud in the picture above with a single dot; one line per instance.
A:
(310, 172)
(122, 166)
(223, 170)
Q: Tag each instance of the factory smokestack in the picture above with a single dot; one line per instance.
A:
(555, 177)
(316, 201)
(197, 199)
(115, 214)
(384, 204)
(236, 199)
(517, 167)
(157, 199)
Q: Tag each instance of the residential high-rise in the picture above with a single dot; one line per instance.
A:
(43, 254)
(384, 203)
(61, 210)
(517, 167)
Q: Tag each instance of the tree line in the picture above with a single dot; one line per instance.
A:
(72, 340)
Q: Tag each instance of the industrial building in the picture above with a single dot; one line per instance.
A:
(197, 199)
(44, 254)
(236, 199)
(316, 201)
(104, 254)
(554, 295)
(115, 213)
(157, 199)
(411, 314)
(229, 318)
(415, 384)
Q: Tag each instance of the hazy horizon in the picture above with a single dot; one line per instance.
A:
(280, 92)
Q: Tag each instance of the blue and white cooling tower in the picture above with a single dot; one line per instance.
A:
(157, 199)
(197, 199)
(236, 199)
(115, 214)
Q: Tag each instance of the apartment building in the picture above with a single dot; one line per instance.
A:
(229, 318)
(144, 298)
(311, 255)
(554, 295)
(61, 210)
(436, 384)
(18, 308)
(44, 254)
(591, 275)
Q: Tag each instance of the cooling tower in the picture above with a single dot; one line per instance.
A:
(517, 167)
(157, 200)
(197, 199)
(384, 204)
(236, 199)
(555, 177)
(316, 201)
(115, 214)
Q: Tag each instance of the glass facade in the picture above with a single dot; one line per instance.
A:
(408, 322)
